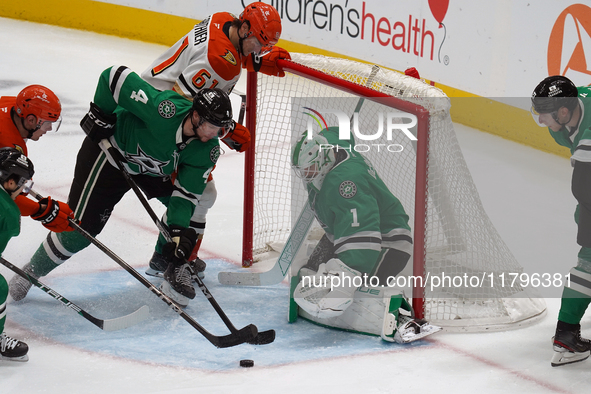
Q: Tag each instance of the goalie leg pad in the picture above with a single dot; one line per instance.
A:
(329, 292)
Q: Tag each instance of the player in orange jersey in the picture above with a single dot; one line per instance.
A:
(212, 55)
(28, 116)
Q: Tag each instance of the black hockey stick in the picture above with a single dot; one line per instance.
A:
(117, 323)
(262, 338)
(237, 337)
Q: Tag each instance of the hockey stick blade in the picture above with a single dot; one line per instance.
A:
(118, 323)
(277, 273)
(246, 334)
(260, 338)
(127, 320)
(263, 338)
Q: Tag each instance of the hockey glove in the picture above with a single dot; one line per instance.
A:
(54, 215)
(267, 64)
(238, 138)
(27, 206)
(97, 124)
(183, 242)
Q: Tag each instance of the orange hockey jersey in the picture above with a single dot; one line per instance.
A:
(10, 137)
(203, 58)
(9, 134)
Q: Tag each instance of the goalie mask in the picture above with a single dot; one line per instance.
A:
(265, 24)
(16, 166)
(550, 95)
(312, 159)
(42, 103)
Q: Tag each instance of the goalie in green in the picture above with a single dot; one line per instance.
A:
(367, 242)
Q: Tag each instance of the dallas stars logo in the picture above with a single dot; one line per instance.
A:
(147, 164)
(166, 109)
(347, 189)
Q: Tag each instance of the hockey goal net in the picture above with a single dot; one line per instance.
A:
(453, 237)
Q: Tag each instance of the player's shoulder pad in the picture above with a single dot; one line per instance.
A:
(202, 154)
(170, 104)
(584, 92)
(221, 54)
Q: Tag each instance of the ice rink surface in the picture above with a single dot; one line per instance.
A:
(525, 192)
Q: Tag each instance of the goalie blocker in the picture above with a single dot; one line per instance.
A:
(379, 311)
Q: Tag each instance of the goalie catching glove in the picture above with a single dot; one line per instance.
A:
(54, 215)
(237, 137)
(267, 64)
(98, 125)
(183, 242)
(329, 292)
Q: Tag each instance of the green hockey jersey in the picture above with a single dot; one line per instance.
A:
(578, 140)
(357, 210)
(10, 220)
(149, 135)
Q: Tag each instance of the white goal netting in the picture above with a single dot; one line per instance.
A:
(458, 236)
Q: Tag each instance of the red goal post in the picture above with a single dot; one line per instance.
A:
(435, 186)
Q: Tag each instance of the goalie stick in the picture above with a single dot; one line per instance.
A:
(117, 323)
(295, 240)
(277, 273)
(237, 337)
(259, 338)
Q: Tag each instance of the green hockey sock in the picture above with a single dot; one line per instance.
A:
(57, 248)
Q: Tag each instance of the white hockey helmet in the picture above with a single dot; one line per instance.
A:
(312, 158)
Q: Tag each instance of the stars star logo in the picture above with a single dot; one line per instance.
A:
(147, 164)
(347, 189)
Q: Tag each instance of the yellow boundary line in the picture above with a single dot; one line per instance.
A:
(468, 109)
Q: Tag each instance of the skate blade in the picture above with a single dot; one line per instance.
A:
(154, 273)
(21, 359)
(564, 357)
(175, 296)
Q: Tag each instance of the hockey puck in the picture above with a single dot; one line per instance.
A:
(246, 363)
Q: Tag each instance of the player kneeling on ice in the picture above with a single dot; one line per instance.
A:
(366, 236)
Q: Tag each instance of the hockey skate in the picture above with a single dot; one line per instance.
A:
(19, 286)
(198, 267)
(569, 347)
(411, 329)
(158, 265)
(177, 284)
(12, 349)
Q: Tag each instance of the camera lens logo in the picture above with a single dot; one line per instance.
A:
(569, 46)
(316, 119)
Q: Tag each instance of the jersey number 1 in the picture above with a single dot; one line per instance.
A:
(355, 222)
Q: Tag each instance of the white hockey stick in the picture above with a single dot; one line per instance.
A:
(277, 273)
(298, 234)
(117, 323)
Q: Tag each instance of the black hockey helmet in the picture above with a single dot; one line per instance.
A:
(213, 106)
(553, 93)
(15, 165)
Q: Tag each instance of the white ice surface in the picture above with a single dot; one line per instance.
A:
(526, 193)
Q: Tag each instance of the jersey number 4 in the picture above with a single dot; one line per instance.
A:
(140, 96)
